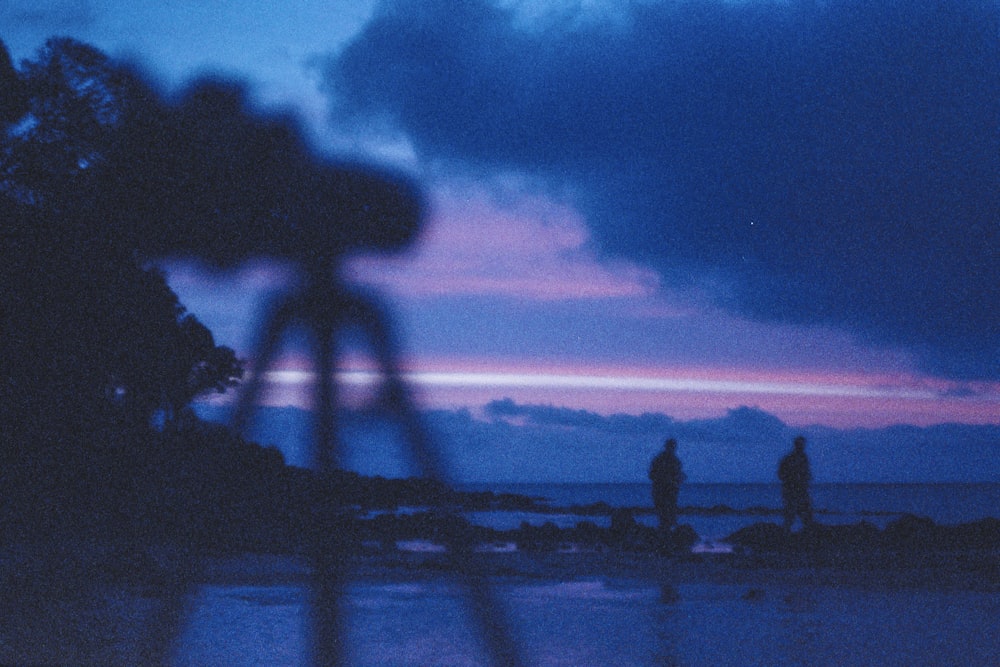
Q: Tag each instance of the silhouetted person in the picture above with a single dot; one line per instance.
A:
(666, 475)
(793, 471)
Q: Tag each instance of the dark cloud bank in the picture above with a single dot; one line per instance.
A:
(828, 162)
(525, 443)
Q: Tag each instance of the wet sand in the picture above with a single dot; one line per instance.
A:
(939, 570)
(690, 603)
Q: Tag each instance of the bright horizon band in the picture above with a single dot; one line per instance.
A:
(482, 379)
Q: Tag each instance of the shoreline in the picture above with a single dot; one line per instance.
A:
(885, 568)
(910, 551)
(114, 596)
(961, 572)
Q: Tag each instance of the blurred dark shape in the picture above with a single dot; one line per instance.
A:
(108, 174)
(667, 476)
(794, 474)
(206, 177)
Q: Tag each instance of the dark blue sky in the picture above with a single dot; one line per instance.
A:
(676, 206)
(832, 163)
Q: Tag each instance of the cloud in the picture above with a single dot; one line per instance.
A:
(517, 442)
(52, 15)
(831, 163)
(507, 243)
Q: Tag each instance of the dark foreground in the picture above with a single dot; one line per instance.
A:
(909, 551)
(77, 603)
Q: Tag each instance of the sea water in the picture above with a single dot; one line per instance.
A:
(833, 503)
(944, 503)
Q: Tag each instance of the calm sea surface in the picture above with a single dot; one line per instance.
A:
(834, 503)
(945, 503)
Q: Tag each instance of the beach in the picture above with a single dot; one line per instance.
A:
(613, 608)
(563, 607)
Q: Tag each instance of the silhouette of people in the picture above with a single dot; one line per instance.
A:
(793, 471)
(666, 475)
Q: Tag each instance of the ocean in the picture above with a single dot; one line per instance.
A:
(942, 502)
(878, 504)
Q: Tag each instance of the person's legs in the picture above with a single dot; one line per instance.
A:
(669, 514)
(663, 518)
(805, 512)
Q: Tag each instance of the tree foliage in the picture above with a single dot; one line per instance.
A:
(92, 343)
(70, 104)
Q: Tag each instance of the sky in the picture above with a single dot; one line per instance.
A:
(676, 206)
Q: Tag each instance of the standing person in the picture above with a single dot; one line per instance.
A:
(793, 471)
(666, 475)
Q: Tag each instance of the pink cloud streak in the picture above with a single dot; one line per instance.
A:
(529, 247)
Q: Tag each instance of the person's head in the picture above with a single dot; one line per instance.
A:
(800, 444)
(670, 445)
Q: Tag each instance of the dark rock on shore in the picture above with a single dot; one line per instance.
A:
(909, 534)
(625, 533)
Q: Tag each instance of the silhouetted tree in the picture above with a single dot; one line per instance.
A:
(92, 343)
(12, 103)
(71, 103)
